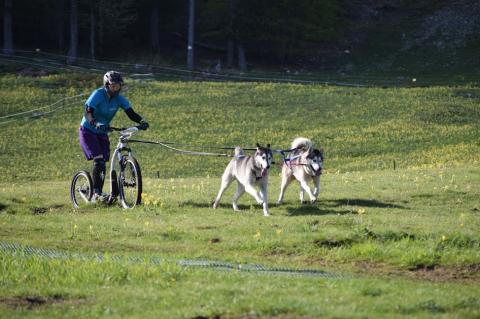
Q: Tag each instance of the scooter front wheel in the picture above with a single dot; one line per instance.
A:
(130, 182)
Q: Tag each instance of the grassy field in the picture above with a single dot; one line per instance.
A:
(398, 214)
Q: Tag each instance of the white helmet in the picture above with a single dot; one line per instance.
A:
(112, 77)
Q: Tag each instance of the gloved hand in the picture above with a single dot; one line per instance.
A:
(101, 127)
(143, 125)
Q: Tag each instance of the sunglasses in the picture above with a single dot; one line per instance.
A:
(115, 86)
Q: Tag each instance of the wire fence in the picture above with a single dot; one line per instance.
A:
(64, 103)
(22, 250)
(327, 76)
(57, 63)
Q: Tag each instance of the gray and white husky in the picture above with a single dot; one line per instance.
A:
(249, 171)
(303, 164)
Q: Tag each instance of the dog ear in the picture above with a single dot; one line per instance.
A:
(268, 145)
(258, 145)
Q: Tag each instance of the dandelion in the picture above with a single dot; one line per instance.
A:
(361, 211)
(147, 223)
(279, 231)
(74, 231)
(257, 235)
(444, 237)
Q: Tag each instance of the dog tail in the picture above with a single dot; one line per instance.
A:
(302, 143)
(238, 152)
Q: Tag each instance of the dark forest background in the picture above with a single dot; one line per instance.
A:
(240, 34)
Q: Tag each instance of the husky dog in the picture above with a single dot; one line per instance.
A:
(303, 164)
(248, 171)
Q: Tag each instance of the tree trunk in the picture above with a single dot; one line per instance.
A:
(242, 60)
(154, 22)
(230, 36)
(92, 30)
(72, 51)
(7, 28)
(101, 29)
(230, 53)
(191, 34)
(61, 26)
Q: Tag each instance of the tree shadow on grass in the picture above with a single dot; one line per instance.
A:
(314, 209)
(326, 207)
(190, 203)
(362, 202)
(329, 207)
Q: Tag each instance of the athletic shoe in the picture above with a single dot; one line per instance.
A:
(100, 198)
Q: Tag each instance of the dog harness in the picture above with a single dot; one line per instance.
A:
(287, 161)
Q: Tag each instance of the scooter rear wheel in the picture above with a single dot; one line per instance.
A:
(81, 189)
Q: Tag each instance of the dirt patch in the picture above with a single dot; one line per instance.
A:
(17, 201)
(333, 243)
(252, 315)
(214, 240)
(462, 274)
(206, 227)
(43, 210)
(39, 210)
(31, 302)
(441, 273)
(470, 273)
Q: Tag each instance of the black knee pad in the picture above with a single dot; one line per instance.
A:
(98, 174)
(99, 163)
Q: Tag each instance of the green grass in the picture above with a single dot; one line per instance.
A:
(403, 220)
(360, 128)
(85, 289)
(398, 211)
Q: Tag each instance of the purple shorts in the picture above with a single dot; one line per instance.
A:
(94, 144)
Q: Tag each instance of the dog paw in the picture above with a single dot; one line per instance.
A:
(266, 214)
(215, 205)
(313, 201)
(279, 202)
